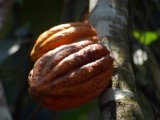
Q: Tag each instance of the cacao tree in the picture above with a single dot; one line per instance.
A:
(129, 29)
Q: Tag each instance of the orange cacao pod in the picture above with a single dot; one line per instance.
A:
(60, 35)
(71, 75)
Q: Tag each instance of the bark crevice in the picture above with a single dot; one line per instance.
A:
(110, 18)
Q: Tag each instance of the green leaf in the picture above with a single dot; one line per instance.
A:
(146, 37)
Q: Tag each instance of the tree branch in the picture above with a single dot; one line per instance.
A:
(110, 18)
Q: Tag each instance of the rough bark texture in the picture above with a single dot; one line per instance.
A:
(110, 18)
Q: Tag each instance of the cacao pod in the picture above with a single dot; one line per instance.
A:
(71, 75)
(60, 35)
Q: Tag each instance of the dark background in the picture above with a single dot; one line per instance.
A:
(25, 20)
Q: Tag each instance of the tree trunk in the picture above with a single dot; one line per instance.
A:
(110, 18)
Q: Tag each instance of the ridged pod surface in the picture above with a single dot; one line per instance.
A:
(71, 75)
(60, 35)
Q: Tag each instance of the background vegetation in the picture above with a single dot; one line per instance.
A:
(24, 20)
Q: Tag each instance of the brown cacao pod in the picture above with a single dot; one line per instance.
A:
(71, 75)
(60, 35)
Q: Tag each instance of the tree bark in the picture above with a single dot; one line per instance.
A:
(110, 18)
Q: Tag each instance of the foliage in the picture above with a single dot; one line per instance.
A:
(147, 37)
(29, 18)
